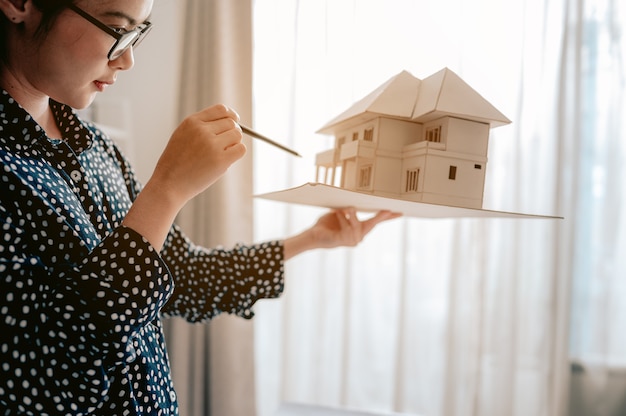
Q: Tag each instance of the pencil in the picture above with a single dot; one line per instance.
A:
(256, 135)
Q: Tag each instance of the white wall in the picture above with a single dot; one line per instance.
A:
(143, 101)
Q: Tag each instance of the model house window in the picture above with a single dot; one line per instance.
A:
(452, 173)
(368, 135)
(355, 136)
(365, 176)
(341, 141)
(412, 179)
(433, 134)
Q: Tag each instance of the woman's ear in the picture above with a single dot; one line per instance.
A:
(15, 10)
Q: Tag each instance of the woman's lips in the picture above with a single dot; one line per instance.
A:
(101, 85)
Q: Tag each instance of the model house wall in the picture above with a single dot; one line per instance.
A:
(423, 141)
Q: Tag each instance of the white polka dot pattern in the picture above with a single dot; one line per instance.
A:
(81, 296)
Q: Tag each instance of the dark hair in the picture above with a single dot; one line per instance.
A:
(50, 9)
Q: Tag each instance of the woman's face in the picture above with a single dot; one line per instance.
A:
(70, 64)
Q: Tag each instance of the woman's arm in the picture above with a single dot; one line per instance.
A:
(199, 152)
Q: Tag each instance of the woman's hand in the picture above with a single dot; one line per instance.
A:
(199, 152)
(340, 227)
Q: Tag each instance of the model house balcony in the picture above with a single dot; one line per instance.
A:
(327, 158)
(357, 148)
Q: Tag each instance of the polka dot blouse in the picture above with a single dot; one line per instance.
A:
(81, 296)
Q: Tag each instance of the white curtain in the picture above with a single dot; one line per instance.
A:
(598, 340)
(212, 364)
(450, 317)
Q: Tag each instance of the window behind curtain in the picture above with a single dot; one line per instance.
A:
(598, 308)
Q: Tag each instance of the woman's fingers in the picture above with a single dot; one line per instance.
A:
(200, 151)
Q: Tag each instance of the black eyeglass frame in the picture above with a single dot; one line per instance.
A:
(134, 37)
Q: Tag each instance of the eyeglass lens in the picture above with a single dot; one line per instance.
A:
(126, 41)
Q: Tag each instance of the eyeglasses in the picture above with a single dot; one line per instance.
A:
(123, 39)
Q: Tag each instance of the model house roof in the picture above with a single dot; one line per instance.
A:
(406, 97)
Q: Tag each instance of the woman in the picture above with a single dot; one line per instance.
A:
(90, 260)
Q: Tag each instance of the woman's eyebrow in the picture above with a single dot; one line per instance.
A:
(131, 21)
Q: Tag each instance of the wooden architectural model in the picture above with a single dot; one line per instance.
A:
(417, 140)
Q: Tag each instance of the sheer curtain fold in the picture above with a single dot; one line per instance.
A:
(451, 317)
(212, 364)
(597, 343)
